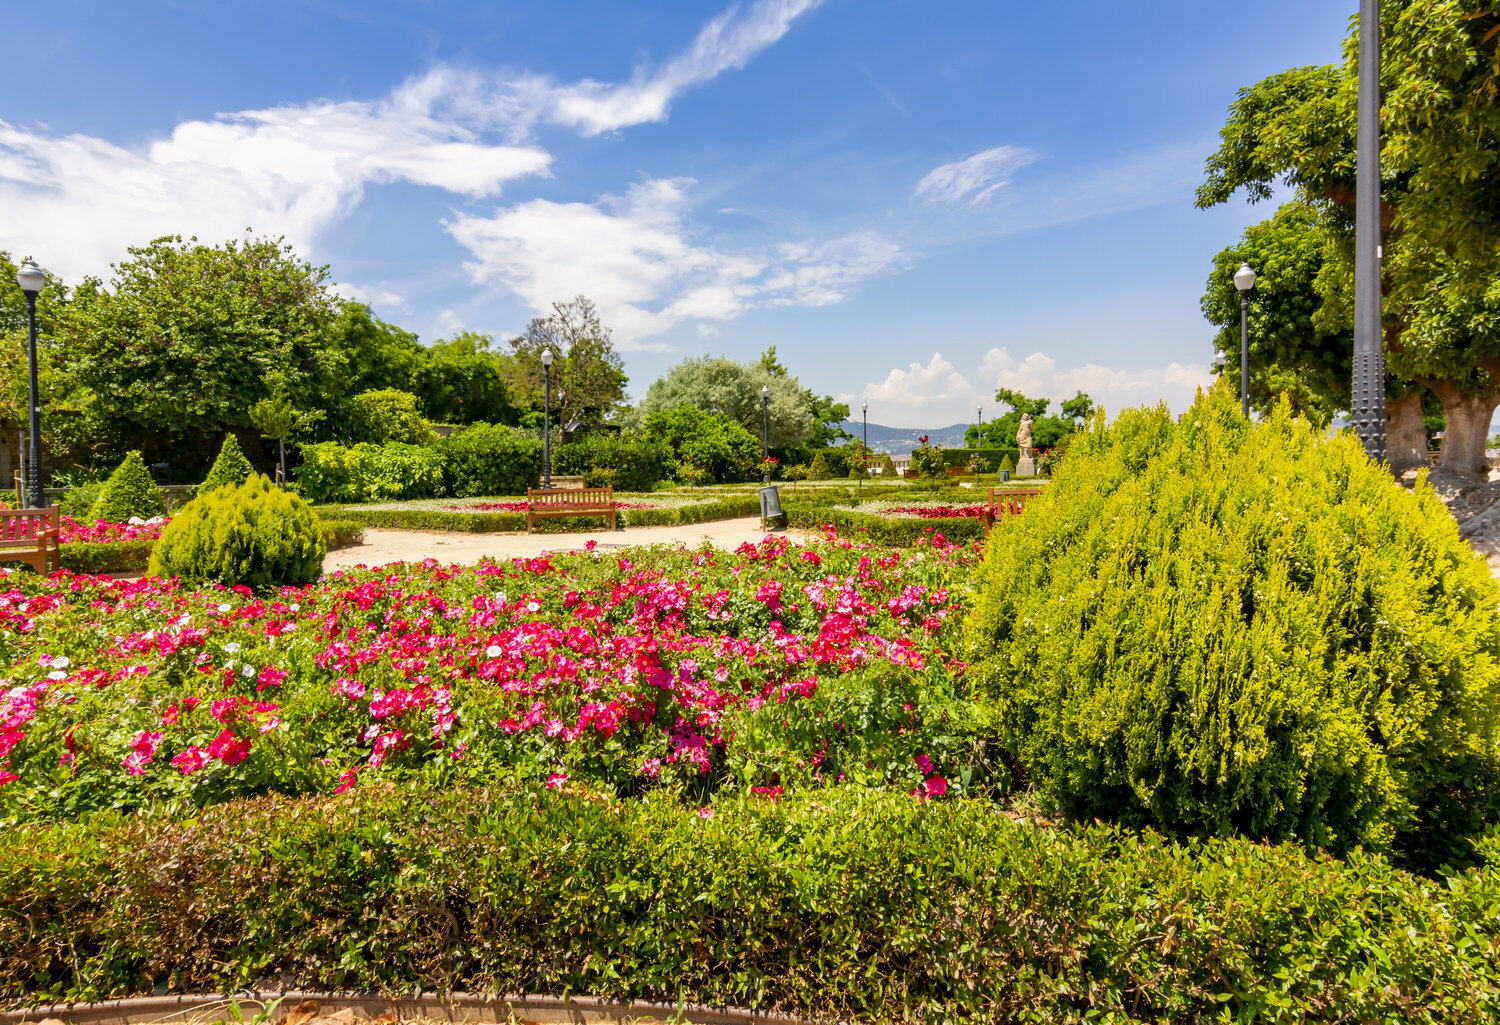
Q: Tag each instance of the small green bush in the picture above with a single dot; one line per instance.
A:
(384, 415)
(79, 501)
(930, 463)
(130, 491)
(369, 473)
(230, 468)
(1219, 627)
(490, 459)
(887, 466)
(821, 468)
(253, 534)
(106, 557)
(1006, 465)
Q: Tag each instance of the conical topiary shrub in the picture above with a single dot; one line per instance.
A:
(821, 469)
(230, 468)
(130, 491)
(1218, 627)
(252, 533)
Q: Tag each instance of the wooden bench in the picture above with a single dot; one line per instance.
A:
(542, 504)
(559, 482)
(31, 536)
(1006, 502)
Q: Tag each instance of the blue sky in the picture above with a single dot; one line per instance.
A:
(915, 202)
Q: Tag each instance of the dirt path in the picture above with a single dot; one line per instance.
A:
(387, 546)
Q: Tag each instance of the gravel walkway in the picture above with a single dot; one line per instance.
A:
(387, 546)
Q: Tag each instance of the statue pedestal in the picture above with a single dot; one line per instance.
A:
(1026, 468)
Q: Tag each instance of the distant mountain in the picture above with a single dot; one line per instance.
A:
(899, 441)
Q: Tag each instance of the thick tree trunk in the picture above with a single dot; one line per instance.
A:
(1468, 428)
(1405, 435)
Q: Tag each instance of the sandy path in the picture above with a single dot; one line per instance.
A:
(386, 546)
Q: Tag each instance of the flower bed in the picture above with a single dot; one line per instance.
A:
(102, 532)
(670, 668)
(520, 507)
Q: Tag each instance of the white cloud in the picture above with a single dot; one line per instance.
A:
(635, 255)
(78, 201)
(449, 323)
(974, 178)
(938, 393)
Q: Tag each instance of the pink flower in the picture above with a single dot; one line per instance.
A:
(556, 780)
(145, 745)
(228, 748)
(346, 781)
(191, 760)
(590, 545)
(924, 764)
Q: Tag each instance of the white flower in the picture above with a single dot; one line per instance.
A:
(224, 607)
(57, 674)
(493, 651)
(290, 627)
(247, 670)
(532, 606)
(295, 607)
(136, 521)
(502, 598)
(155, 520)
(232, 647)
(15, 692)
(61, 662)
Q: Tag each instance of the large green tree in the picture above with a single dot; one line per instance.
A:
(462, 381)
(1046, 431)
(588, 375)
(185, 337)
(1440, 127)
(716, 384)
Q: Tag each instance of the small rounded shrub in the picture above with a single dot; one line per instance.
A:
(230, 468)
(929, 463)
(130, 491)
(821, 468)
(79, 501)
(1217, 627)
(252, 533)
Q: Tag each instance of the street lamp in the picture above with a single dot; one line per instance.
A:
(31, 279)
(547, 419)
(1368, 386)
(765, 434)
(864, 452)
(1244, 280)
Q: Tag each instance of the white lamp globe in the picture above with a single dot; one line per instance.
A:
(1244, 278)
(30, 277)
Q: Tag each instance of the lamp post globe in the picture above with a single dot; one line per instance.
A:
(765, 434)
(31, 278)
(547, 419)
(1244, 281)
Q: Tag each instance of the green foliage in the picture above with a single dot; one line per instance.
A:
(462, 381)
(490, 459)
(1007, 465)
(708, 441)
(989, 459)
(1218, 627)
(106, 557)
(230, 468)
(719, 385)
(389, 414)
(588, 376)
(726, 508)
(897, 532)
(130, 491)
(369, 473)
(253, 534)
(821, 468)
(887, 465)
(807, 905)
(186, 336)
(636, 462)
(930, 463)
(1046, 431)
(79, 501)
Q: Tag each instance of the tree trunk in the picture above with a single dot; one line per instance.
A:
(1468, 429)
(1405, 435)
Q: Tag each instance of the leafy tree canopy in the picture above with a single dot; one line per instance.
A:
(1046, 431)
(462, 381)
(588, 376)
(716, 384)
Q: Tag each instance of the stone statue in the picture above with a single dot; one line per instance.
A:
(1023, 436)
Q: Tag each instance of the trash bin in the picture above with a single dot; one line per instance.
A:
(770, 504)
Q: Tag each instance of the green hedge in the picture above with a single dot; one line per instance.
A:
(134, 556)
(989, 458)
(627, 465)
(727, 508)
(845, 904)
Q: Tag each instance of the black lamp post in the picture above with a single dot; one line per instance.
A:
(1244, 280)
(547, 419)
(864, 451)
(765, 434)
(31, 279)
(980, 413)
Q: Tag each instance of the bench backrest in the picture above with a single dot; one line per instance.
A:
(563, 498)
(20, 527)
(1012, 500)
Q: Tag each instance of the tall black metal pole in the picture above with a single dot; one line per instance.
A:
(34, 455)
(765, 439)
(864, 451)
(1369, 357)
(1245, 354)
(547, 428)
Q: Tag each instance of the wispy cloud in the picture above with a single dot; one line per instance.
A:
(294, 169)
(637, 257)
(974, 179)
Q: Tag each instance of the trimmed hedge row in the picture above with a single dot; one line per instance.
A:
(899, 532)
(845, 904)
(989, 458)
(727, 508)
(135, 556)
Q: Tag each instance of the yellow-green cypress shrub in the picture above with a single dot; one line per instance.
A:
(230, 468)
(252, 533)
(1215, 627)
